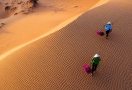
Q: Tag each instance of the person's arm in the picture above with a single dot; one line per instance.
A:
(92, 61)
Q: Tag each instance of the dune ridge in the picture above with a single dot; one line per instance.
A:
(63, 24)
(44, 17)
(52, 31)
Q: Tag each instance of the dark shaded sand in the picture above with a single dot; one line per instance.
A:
(55, 62)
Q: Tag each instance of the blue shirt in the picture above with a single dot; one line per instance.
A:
(108, 27)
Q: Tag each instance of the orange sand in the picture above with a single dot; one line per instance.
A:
(20, 28)
(54, 60)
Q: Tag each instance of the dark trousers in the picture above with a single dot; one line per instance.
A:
(94, 67)
(107, 33)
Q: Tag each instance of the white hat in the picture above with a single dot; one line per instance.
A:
(96, 55)
(109, 23)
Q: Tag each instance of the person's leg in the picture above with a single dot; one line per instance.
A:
(107, 33)
(94, 66)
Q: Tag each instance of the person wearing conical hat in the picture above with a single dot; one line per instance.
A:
(95, 62)
(108, 28)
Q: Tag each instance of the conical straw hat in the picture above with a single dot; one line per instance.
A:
(96, 55)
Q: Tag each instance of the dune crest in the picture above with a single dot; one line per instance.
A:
(43, 19)
(58, 27)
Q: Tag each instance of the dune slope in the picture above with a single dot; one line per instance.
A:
(55, 61)
(27, 25)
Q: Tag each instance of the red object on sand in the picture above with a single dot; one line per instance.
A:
(100, 33)
(87, 68)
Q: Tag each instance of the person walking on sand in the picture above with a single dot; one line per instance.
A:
(108, 28)
(95, 62)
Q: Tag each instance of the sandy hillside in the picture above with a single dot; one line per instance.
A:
(27, 24)
(55, 62)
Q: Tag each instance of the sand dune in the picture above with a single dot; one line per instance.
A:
(46, 16)
(55, 61)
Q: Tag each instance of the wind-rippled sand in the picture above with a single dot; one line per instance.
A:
(55, 62)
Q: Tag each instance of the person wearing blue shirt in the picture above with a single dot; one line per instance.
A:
(108, 28)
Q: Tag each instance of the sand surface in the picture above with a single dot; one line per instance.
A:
(55, 61)
(28, 25)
